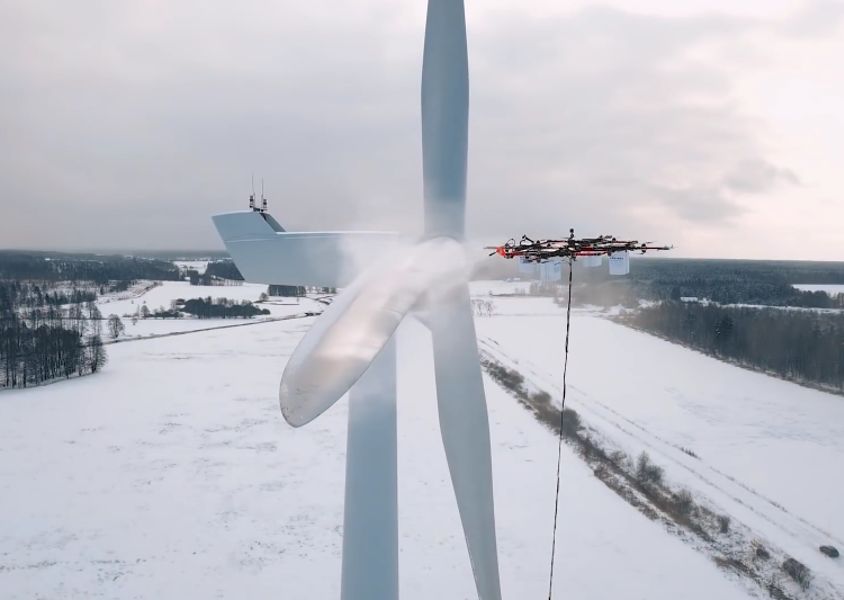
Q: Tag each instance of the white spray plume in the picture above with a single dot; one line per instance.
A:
(340, 346)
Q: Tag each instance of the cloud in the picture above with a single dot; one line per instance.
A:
(757, 176)
(128, 124)
(614, 119)
(815, 18)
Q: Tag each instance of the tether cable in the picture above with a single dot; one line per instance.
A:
(560, 438)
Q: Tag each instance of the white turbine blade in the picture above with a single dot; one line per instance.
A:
(346, 338)
(445, 118)
(465, 432)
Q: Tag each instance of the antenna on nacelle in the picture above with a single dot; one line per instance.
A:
(252, 195)
(263, 199)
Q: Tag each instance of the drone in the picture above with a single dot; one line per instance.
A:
(538, 251)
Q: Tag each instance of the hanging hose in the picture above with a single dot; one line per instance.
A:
(560, 438)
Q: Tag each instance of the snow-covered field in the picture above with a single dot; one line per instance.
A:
(769, 452)
(831, 289)
(162, 295)
(171, 474)
(495, 288)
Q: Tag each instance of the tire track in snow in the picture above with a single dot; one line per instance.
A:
(657, 444)
(584, 408)
(714, 469)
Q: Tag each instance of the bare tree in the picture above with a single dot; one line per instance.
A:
(96, 354)
(483, 308)
(95, 317)
(77, 318)
(115, 326)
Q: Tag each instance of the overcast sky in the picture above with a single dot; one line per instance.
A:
(716, 125)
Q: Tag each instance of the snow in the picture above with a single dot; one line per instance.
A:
(196, 265)
(769, 451)
(161, 296)
(171, 474)
(496, 287)
(831, 289)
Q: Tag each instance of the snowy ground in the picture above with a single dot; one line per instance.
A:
(196, 265)
(830, 289)
(769, 452)
(172, 474)
(497, 288)
(162, 295)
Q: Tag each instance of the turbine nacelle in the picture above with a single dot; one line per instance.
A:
(265, 253)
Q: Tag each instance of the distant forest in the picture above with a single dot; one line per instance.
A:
(54, 266)
(46, 341)
(805, 346)
(31, 295)
(766, 283)
(50, 326)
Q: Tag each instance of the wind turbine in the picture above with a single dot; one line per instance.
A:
(350, 346)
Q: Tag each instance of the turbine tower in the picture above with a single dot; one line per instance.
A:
(350, 347)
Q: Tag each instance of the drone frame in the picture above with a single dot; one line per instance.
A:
(542, 250)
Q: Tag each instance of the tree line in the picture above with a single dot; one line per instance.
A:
(205, 308)
(54, 266)
(44, 345)
(768, 283)
(221, 308)
(30, 295)
(801, 345)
